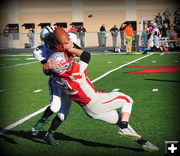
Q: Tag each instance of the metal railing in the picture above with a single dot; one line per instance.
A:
(92, 39)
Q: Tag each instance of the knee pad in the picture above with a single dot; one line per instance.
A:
(55, 104)
(61, 116)
(127, 107)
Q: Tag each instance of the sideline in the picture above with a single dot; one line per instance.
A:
(2, 131)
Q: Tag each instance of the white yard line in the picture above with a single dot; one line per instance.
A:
(155, 90)
(2, 90)
(11, 59)
(115, 89)
(37, 90)
(110, 71)
(22, 120)
(21, 64)
(42, 109)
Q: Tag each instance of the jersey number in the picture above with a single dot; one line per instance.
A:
(68, 88)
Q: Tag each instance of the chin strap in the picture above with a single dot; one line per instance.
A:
(61, 49)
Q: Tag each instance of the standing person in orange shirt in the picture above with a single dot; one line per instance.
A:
(129, 34)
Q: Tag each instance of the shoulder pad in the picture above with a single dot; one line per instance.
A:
(37, 53)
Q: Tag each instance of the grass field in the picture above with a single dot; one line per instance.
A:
(155, 113)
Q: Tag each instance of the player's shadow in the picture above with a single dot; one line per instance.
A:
(164, 80)
(59, 136)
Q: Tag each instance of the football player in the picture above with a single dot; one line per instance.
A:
(59, 102)
(153, 41)
(97, 104)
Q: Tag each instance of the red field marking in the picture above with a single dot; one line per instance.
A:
(156, 65)
(162, 70)
(175, 68)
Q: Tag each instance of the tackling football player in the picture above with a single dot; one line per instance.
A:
(98, 105)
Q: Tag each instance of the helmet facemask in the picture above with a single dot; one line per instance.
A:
(48, 37)
(51, 41)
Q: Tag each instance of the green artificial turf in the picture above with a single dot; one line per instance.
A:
(155, 115)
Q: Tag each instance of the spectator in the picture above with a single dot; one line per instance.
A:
(104, 35)
(177, 20)
(72, 29)
(81, 34)
(144, 38)
(30, 35)
(6, 37)
(177, 17)
(177, 12)
(129, 34)
(103, 28)
(164, 30)
(114, 33)
(150, 29)
(121, 30)
(170, 32)
(158, 19)
(167, 15)
(73, 33)
(177, 30)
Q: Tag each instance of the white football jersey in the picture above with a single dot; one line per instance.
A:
(73, 37)
(155, 32)
(154, 38)
(42, 53)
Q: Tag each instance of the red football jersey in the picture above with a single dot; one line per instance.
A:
(77, 85)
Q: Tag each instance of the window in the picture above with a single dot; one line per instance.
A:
(13, 28)
(44, 24)
(77, 24)
(62, 24)
(29, 25)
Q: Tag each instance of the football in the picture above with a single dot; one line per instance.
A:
(61, 35)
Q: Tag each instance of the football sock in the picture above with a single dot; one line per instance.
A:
(47, 113)
(122, 124)
(43, 119)
(55, 124)
(161, 49)
(141, 141)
